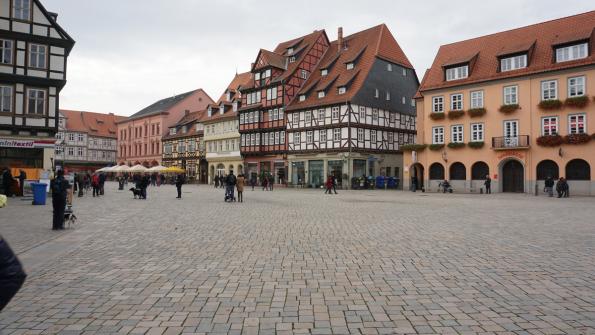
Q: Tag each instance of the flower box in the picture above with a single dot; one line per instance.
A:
(577, 102)
(414, 147)
(456, 145)
(476, 145)
(550, 140)
(577, 138)
(507, 109)
(548, 105)
(437, 116)
(476, 112)
(455, 114)
(436, 147)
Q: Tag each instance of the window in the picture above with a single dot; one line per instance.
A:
(36, 101)
(323, 72)
(241, 121)
(21, 9)
(81, 138)
(321, 94)
(456, 102)
(271, 93)
(308, 117)
(292, 59)
(571, 52)
(390, 137)
(335, 113)
(412, 102)
(304, 74)
(511, 95)
(374, 115)
(321, 115)
(257, 76)
(70, 151)
(376, 93)
(296, 119)
(309, 137)
(456, 133)
(336, 134)
(389, 67)
(388, 96)
(391, 117)
(455, 73)
(404, 72)
(373, 136)
(79, 152)
(282, 137)
(576, 86)
(477, 99)
(349, 66)
(276, 114)
(281, 117)
(5, 52)
(513, 63)
(549, 90)
(71, 137)
(362, 114)
(296, 138)
(342, 90)
(276, 137)
(290, 51)
(549, 125)
(5, 99)
(360, 135)
(323, 135)
(302, 97)
(577, 124)
(438, 104)
(37, 56)
(438, 135)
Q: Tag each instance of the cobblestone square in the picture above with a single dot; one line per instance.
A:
(301, 262)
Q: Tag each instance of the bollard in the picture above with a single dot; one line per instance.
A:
(536, 189)
(481, 190)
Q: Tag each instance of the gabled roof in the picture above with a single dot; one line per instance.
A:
(68, 40)
(270, 59)
(365, 46)
(538, 40)
(236, 83)
(189, 120)
(94, 124)
(164, 105)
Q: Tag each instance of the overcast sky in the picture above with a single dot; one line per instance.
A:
(131, 53)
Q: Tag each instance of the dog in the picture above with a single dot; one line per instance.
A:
(135, 192)
(69, 217)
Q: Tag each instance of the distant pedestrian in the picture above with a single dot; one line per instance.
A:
(241, 180)
(216, 181)
(549, 186)
(271, 182)
(7, 181)
(95, 184)
(12, 275)
(230, 184)
(144, 184)
(265, 183)
(102, 178)
(22, 178)
(488, 184)
(562, 188)
(59, 187)
(328, 185)
(180, 180)
(334, 183)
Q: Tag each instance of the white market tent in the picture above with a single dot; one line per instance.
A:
(121, 168)
(158, 168)
(137, 168)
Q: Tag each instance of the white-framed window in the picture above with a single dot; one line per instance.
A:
(36, 101)
(281, 116)
(373, 138)
(459, 72)
(276, 114)
(337, 134)
(342, 90)
(376, 93)
(304, 74)
(321, 94)
(271, 93)
(5, 99)
(511, 95)
(297, 137)
(438, 104)
(321, 115)
(389, 67)
(241, 122)
(549, 125)
(391, 117)
(81, 137)
(322, 135)
(404, 72)
(79, 152)
(576, 86)
(412, 102)
(21, 9)
(388, 96)
(71, 137)
(6, 50)
(456, 133)
(571, 52)
(292, 59)
(308, 117)
(456, 102)
(577, 124)
(360, 135)
(335, 113)
(37, 56)
(282, 137)
(70, 151)
(513, 63)
(270, 114)
(257, 76)
(549, 90)
(324, 72)
(362, 114)
(271, 138)
(302, 97)
(477, 99)
(350, 66)
(309, 137)
(296, 119)
(374, 114)
(390, 137)
(438, 135)
(276, 137)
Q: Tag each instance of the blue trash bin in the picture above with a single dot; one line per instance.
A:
(392, 183)
(380, 182)
(39, 193)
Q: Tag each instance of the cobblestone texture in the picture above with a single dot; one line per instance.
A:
(301, 262)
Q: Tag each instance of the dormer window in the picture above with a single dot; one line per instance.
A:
(456, 73)
(290, 51)
(342, 90)
(292, 59)
(513, 63)
(350, 66)
(321, 94)
(235, 106)
(302, 97)
(571, 52)
(172, 131)
(228, 97)
(304, 74)
(257, 76)
(324, 72)
(209, 111)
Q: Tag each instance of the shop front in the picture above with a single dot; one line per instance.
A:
(31, 155)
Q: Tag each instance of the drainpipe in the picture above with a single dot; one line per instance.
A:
(349, 154)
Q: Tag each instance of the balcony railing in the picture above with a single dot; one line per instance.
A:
(510, 142)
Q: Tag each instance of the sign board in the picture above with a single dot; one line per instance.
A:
(26, 144)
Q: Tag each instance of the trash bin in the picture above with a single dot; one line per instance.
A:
(39, 193)
(392, 182)
(380, 182)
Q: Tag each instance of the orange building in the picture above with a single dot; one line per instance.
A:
(516, 105)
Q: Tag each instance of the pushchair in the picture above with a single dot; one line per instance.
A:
(229, 194)
(445, 187)
(69, 216)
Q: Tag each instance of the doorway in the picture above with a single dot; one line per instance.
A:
(513, 177)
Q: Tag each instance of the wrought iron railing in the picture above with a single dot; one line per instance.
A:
(510, 142)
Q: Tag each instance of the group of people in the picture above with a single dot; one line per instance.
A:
(331, 184)
(13, 186)
(562, 187)
(231, 182)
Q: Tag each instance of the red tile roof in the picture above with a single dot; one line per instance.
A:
(302, 46)
(94, 124)
(238, 81)
(539, 39)
(363, 48)
(190, 120)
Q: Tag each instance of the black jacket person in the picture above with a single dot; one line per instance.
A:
(12, 275)
(59, 188)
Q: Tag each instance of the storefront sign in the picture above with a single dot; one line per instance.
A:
(511, 153)
(26, 144)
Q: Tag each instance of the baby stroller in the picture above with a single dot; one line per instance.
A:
(445, 187)
(229, 196)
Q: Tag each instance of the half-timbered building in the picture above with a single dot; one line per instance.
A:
(33, 54)
(354, 112)
(277, 76)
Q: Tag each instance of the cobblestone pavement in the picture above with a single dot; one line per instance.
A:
(301, 262)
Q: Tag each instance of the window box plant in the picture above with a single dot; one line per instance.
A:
(507, 109)
(553, 104)
(577, 102)
(577, 138)
(436, 147)
(550, 140)
(476, 144)
(437, 116)
(455, 114)
(476, 112)
(414, 147)
(456, 145)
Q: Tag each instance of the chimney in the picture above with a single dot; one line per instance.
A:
(340, 39)
(186, 112)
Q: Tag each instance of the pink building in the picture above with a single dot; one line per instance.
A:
(139, 136)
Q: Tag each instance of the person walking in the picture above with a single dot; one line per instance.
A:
(265, 183)
(241, 180)
(328, 185)
(59, 187)
(334, 183)
(253, 182)
(565, 188)
(271, 182)
(549, 186)
(230, 184)
(7, 181)
(179, 182)
(488, 184)
(144, 184)
(95, 184)
(12, 275)
(22, 178)
(216, 181)
(561, 187)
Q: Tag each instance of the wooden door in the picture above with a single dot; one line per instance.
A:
(513, 177)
